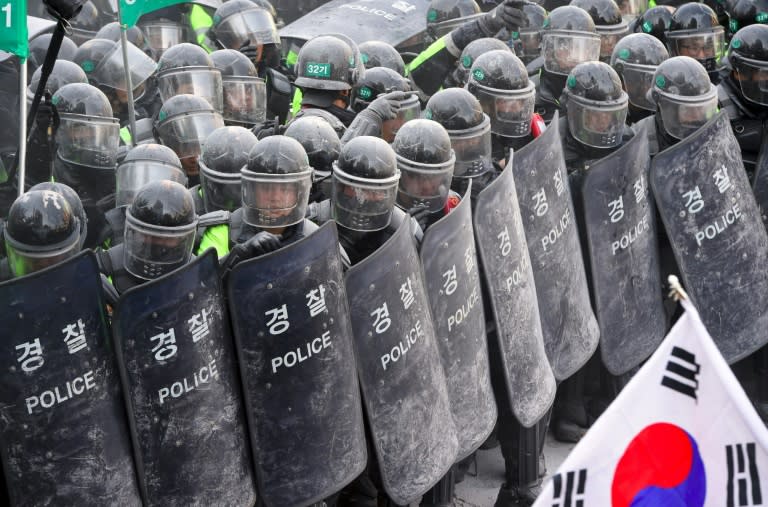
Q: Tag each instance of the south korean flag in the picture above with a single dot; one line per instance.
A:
(682, 433)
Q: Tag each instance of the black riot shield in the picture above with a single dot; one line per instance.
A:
(178, 367)
(620, 219)
(760, 184)
(398, 362)
(570, 329)
(391, 21)
(455, 298)
(719, 241)
(64, 439)
(510, 284)
(294, 341)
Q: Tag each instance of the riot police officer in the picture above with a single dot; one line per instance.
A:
(160, 227)
(443, 16)
(742, 13)
(526, 41)
(468, 56)
(635, 59)
(655, 21)
(608, 22)
(245, 26)
(38, 47)
(244, 93)
(382, 105)
(323, 146)
(41, 230)
(568, 38)
(74, 202)
(376, 53)
(695, 31)
(188, 69)
(183, 124)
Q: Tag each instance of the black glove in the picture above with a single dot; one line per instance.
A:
(47, 117)
(262, 243)
(268, 128)
(387, 106)
(251, 51)
(508, 15)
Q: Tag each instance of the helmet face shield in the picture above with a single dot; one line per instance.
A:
(245, 100)
(133, 175)
(275, 200)
(707, 48)
(186, 133)
(472, 148)
(200, 81)
(410, 109)
(510, 111)
(221, 191)
(424, 185)
(631, 9)
(437, 30)
(528, 44)
(111, 70)
(752, 76)
(88, 140)
(152, 251)
(609, 36)
(681, 116)
(254, 26)
(25, 259)
(564, 50)
(638, 79)
(161, 36)
(362, 204)
(597, 124)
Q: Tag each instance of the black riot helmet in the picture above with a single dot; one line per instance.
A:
(245, 93)
(87, 133)
(63, 73)
(376, 53)
(183, 124)
(425, 160)
(527, 41)
(500, 82)
(568, 38)
(225, 153)
(38, 47)
(470, 53)
(41, 230)
(161, 32)
(240, 22)
(143, 164)
(684, 96)
(746, 12)
(380, 80)
(86, 23)
(655, 21)
(160, 227)
(445, 15)
(635, 59)
(112, 31)
(319, 140)
(102, 60)
(187, 69)
(695, 31)
(747, 60)
(327, 62)
(609, 23)
(461, 114)
(364, 184)
(276, 183)
(72, 199)
(596, 104)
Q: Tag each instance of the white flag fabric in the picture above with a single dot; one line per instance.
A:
(682, 433)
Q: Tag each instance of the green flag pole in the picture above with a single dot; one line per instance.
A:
(128, 82)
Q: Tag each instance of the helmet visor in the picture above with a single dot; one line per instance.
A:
(529, 44)
(152, 251)
(510, 111)
(564, 50)
(111, 70)
(23, 260)
(161, 36)
(88, 140)
(437, 30)
(221, 191)
(473, 149)
(185, 134)
(275, 200)
(631, 9)
(409, 110)
(638, 79)
(753, 79)
(245, 100)
(202, 82)
(596, 123)
(362, 204)
(681, 116)
(609, 36)
(424, 185)
(254, 26)
(133, 175)
(706, 48)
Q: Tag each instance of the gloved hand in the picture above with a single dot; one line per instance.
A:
(507, 15)
(261, 243)
(387, 106)
(47, 119)
(251, 51)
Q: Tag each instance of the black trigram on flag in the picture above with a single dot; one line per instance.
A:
(681, 373)
(570, 494)
(743, 476)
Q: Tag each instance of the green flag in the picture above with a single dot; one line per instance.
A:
(13, 27)
(132, 10)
